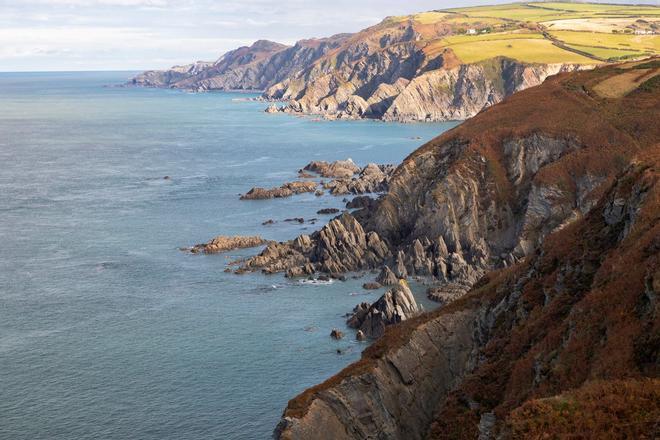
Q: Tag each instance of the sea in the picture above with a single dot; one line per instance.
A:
(107, 329)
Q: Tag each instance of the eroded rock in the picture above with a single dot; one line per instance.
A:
(396, 305)
(224, 243)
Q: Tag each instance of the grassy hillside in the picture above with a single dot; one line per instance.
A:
(549, 32)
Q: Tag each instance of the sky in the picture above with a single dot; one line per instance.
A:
(66, 35)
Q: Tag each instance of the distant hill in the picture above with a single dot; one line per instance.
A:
(437, 65)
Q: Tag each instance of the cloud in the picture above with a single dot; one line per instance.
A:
(141, 34)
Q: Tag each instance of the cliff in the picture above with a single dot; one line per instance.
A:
(433, 66)
(557, 189)
(256, 67)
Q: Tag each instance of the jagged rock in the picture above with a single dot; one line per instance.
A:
(387, 277)
(372, 178)
(272, 109)
(400, 266)
(286, 190)
(396, 305)
(341, 246)
(359, 312)
(336, 334)
(223, 243)
(336, 169)
(268, 222)
(371, 286)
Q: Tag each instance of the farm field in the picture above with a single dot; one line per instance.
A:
(553, 32)
(532, 50)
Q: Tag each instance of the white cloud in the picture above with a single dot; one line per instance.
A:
(141, 34)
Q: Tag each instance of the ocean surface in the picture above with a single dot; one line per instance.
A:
(107, 329)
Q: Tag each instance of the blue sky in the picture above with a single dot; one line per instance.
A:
(37, 35)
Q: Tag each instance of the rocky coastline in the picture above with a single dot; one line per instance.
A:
(541, 231)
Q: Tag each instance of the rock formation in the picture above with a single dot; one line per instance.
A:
(286, 190)
(337, 169)
(563, 200)
(396, 305)
(387, 277)
(341, 246)
(225, 243)
(372, 178)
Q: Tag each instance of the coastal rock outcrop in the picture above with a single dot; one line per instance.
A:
(336, 169)
(372, 178)
(224, 243)
(396, 305)
(341, 246)
(286, 190)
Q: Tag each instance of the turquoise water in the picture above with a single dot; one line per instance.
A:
(107, 330)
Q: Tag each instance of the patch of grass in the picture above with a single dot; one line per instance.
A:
(524, 50)
(458, 39)
(590, 7)
(642, 43)
(512, 13)
(430, 17)
(607, 53)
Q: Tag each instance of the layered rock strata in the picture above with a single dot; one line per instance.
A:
(396, 305)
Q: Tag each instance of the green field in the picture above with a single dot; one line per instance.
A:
(533, 50)
(551, 32)
(641, 43)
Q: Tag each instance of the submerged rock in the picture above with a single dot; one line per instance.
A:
(371, 286)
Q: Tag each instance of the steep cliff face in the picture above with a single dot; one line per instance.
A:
(560, 184)
(256, 67)
(394, 84)
(485, 194)
(583, 308)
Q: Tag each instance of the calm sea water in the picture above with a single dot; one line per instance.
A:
(107, 330)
